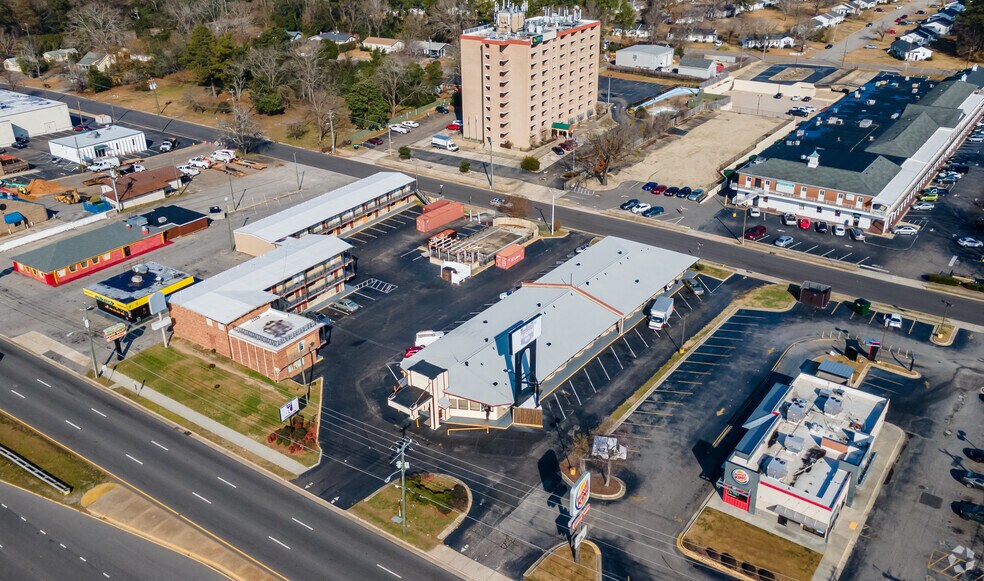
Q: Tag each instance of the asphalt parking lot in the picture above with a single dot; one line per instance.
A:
(48, 167)
(626, 92)
(429, 126)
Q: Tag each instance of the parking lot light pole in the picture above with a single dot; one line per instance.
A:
(553, 208)
(389, 141)
(946, 305)
(744, 221)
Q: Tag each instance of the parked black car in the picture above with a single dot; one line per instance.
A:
(443, 110)
(684, 192)
(970, 511)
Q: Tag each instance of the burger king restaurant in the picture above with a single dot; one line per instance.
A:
(807, 450)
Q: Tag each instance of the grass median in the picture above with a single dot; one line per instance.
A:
(433, 503)
(50, 457)
(560, 566)
(224, 391)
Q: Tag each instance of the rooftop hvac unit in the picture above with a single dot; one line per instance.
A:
(796, 411)
(865, 123)
(795, 444)
(833, 406)
(790, 142)
(895, 115)
(857, 94)
(777, 469)
(140, 269)
(797, 142)
(869, 102)
(800, 133)
(136, 279)
(871, 138)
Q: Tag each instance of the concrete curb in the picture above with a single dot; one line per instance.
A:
(556, 548)
(462, 515)
(622, 488)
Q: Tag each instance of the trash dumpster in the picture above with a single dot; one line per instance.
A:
(861, 307)
(815, 294)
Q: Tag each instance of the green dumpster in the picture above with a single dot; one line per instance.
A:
(862, 307)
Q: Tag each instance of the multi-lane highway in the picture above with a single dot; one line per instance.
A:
(281, 528)
(40, 539)
(872, 286)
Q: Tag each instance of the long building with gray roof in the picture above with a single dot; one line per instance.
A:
(862, 161)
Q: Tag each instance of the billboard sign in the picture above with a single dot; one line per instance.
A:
(157, 303)
(288, 409)
(525, 334)
(579, 494)
(117, 331)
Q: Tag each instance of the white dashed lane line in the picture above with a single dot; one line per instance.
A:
(302, 524)
(17, 394)
(73, 425)
(98, 412)
(278, 542)
(226, 482)
(202, 497)
(134, 459)
(158, 445)
(43, 383)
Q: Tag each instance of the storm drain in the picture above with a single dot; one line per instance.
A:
(930, 500)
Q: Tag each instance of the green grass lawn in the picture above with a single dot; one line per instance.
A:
(425, 521)
(560, 566)
(750, 544)
(713, 271)
(772, 296)
(57, 461)
(223, 391)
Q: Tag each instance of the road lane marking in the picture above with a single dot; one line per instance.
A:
(158, 445)
(73, 425)
(42, 531)
(227, 482)
(278, 542)
(43, 383)
(106, 575)
(17, 394)
(98, 412)
(83, 559)
(302, 524)
(202, 497)
(134, 459)
(62, 545)
(388, 571)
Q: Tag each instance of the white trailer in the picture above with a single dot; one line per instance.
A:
(660, 312)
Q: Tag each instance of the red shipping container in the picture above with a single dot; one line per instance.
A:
(441, 216)
(510, 256)
(436, 205)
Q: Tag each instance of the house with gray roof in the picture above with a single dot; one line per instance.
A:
(696, 67)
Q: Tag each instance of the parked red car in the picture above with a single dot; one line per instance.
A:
(804, 223)
(454, 127)
(411, 351)
(659, 189)
(755, 232)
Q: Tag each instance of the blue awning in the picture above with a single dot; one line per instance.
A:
(13, 218)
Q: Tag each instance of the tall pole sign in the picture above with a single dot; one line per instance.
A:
(578, 507)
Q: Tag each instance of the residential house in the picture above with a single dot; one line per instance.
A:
(98, 60)
(864, 4)
(939, 27)
(637, 31)
(336, 37)
(908, 51)
(827, 19)
(140, 187)
(954, 5)
(11, 64)
(294, 36)
(383, 45)
(918, 37)
(767, 41)
(434, 50)
(61, 55)
(843, 9)
(696, 67)
(693, 35)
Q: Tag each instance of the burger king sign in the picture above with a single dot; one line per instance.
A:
(739, 476)
(580, 493)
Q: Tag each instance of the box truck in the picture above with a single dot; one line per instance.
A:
(660, 312)
(444, 142)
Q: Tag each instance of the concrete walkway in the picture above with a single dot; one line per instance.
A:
(206, 423)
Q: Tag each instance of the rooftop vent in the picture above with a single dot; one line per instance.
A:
(136, 279)
(796, 411)
(794, 444)
(833, 406)
(865, 123)
(140, 269)
(869, 102)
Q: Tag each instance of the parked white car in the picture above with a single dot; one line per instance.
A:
(399, 129)
(968, 242)
(893, 321)
(640, 208)
(923, 206)
(188, 170)
(839, 230)
(137, 167)
(200, 162)
(409, 123)
(905, 230)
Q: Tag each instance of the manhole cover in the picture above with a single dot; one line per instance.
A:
(930, 500)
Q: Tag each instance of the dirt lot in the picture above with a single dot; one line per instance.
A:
(695, 158)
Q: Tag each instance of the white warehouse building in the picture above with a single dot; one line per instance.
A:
(111, 140)
(645, 56)
(29, 116)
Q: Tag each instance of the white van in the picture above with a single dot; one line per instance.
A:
(223, 155)
(425, 338)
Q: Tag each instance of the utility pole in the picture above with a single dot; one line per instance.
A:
(553, 207)
(92, 349)
(153, 87)
(116, 193)
(946, 305)
(297, 174)
(744, 222)
(389, 141)
(683, 333)
(491, 167)
(402, 465)
(331, 126)
(232, 238)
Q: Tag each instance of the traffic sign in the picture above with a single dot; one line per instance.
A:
(162, 324)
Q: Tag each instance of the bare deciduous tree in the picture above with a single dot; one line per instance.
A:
(266, 63)
(786, 6)
(237, 72)
(374, 13)
(97, 25)
(326, 111)
(449, 18)
(608, 150)
(393, 80)
(414, 30)
(241, 129)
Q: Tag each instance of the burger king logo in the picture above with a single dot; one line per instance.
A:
(582, 494)
(739, 476)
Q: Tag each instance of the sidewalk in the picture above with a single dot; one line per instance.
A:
(37, 343)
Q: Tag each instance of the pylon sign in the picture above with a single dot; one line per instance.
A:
(579, 495)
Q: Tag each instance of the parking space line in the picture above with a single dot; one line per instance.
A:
(629, 346)
(682, 298)
(363, 296)
(811, 248)
(715, 337)
(657, 390)
(738, 323)
(873, 386)
(873, 315)
(598, 359)
(702, 362)
(374, 229)
(740, 316)
(862, 260)
(913, 326)
(417, 250)
(575, 393)
(556, 401)
(619, 361)
(687, 382)
(364, 233)
(828, 252)
(694, 372)
(718, 346)
(591, 383)
(627, 423)
(845, 256)
(879, 378)
(663, 414)
(640, 336)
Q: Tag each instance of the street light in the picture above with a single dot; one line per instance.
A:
(491, 166)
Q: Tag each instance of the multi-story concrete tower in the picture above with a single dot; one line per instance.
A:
(525, 79)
